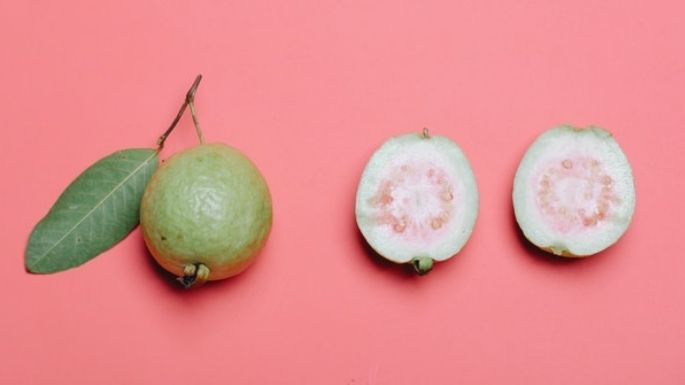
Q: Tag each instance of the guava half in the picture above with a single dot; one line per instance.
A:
(417, 200)
(574, 193)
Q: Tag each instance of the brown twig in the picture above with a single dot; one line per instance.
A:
(189, 100)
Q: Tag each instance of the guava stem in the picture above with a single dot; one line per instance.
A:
(425, 134)
(190, 97)
(422, 265)
(193, 113)
(194, 274)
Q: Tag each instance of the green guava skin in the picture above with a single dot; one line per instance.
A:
(206, 205)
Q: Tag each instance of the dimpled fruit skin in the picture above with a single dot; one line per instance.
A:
(208, 204)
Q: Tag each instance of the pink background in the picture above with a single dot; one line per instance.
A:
(309, 89)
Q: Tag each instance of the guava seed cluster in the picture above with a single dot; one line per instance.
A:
(576, 193)
(398, 206)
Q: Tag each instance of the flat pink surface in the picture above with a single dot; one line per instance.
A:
(309, 89)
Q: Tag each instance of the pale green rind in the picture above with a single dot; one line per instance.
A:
(555, 143)
(416, 146)
(96, 211)
(206, 205)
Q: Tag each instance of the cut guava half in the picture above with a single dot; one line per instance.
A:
(574, 193)
(417, 200)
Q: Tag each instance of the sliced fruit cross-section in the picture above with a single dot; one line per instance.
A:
(573, 192)
(417, 200)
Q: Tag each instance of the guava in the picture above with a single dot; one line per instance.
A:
(574, 193)
(206, 213)
(417, 200)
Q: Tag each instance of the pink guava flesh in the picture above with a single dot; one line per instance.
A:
(415, 201)
(575, 194)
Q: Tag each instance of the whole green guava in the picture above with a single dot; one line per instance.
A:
(206, 213)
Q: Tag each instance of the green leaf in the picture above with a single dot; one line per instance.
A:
(96, 211)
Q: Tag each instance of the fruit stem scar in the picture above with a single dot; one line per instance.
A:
(194, 274)
(422, 265)
(189, 101)
(425, 134)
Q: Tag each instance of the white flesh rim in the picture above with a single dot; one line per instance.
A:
(574, 193)
(417, 199)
